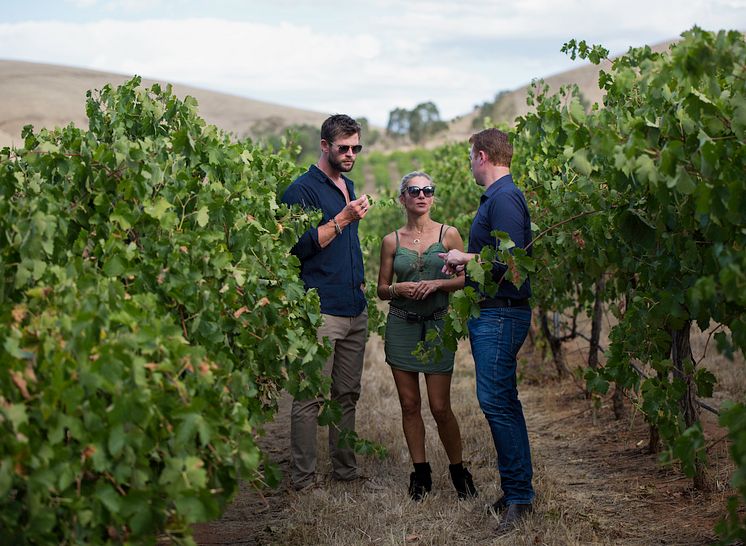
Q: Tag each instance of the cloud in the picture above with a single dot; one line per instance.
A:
(81, 4)
(287, 63)
(135, 6)
(192, 49)
(542, 19)
(366, 61)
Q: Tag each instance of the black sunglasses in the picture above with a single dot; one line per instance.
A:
(344, 148)
(414, 191)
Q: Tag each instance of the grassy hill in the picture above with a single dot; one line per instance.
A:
(53, 96)
(510, 104)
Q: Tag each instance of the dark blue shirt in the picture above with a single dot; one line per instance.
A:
(335, 271)
(502, 207)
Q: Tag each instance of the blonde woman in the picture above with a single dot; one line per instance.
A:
(419, 301)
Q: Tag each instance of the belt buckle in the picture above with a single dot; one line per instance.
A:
(412, 317)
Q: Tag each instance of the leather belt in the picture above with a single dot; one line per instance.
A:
(414, 317)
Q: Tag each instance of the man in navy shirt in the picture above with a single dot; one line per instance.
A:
(332, 263)
(501, 328)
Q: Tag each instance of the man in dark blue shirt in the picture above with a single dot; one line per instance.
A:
(332, 263)
(503, 322)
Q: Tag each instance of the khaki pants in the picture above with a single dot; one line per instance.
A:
(345, 366)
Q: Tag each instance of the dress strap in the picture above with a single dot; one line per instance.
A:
(397, 238)
(443, 232)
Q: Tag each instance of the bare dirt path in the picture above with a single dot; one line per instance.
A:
(595, 481)
(603, 473)
(252, 516)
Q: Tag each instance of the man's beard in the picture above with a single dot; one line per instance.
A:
(338, 166)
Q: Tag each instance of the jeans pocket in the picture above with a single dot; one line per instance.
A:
(486, 337)
(519, 331)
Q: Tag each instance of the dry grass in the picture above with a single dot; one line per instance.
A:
(378, 511)
(595, 481)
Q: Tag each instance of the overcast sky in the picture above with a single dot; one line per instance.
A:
(363, 58)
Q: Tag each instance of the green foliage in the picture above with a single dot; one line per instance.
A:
(406, 162)
(648, 192)
(350, 439)
(302, 141)
(151, 314)
(594, 53)
(733, 526)
(645, 191)
(374, 165)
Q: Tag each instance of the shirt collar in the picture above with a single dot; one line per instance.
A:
(321, 175)
(495, 186)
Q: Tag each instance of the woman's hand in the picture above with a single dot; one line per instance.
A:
(417, 290)
(425, 288)
(406, 289)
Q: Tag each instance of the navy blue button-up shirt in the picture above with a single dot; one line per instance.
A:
(502, 207)
(335, 271)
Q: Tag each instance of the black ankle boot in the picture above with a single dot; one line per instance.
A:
(462, 481)
(420, 481)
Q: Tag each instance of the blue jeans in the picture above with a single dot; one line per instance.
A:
(496, 336)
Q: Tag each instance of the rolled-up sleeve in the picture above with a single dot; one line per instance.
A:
(308, 242)
(335, 271)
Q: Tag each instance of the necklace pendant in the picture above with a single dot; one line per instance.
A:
(416, 241)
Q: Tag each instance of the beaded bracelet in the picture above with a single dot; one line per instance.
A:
(337, 229)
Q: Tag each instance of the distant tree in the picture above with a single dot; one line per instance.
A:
(370, 136)
(398, 124)
(424, 121)
(418, 124)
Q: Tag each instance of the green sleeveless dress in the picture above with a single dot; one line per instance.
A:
(402, 335)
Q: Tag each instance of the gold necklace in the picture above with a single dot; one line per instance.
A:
(417, 240)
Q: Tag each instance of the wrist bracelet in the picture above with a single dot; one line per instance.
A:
(337, 229)
(392, 290)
